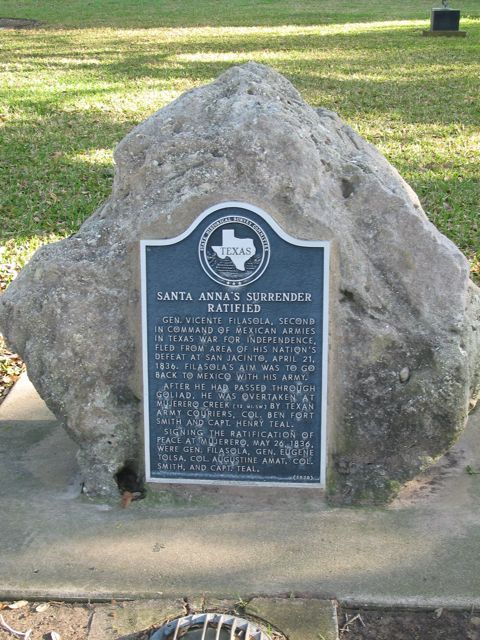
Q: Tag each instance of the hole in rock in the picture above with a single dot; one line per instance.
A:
(346, 295)
(128, 480)
(347, 188)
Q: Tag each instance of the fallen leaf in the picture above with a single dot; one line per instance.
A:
(42, 607)
(18, 604)
(53, 635)
(127, 497)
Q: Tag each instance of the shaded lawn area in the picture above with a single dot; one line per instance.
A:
(71, 89)
(195, 13)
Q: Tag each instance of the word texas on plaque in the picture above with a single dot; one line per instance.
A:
(235, 351)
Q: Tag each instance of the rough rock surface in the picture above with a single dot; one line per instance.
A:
(404, 317)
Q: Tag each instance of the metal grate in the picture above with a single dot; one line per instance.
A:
(236, 628)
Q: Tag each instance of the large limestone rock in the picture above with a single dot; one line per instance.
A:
(404, 317)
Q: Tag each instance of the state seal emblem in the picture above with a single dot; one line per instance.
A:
(234, 251)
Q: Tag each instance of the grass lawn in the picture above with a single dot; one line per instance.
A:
(73, 87)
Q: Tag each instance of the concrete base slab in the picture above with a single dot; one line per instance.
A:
(298, 619)
(121, 620)
(56, 543)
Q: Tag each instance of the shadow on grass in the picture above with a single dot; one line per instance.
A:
(392, 75)
(453, 206)
(56, 189)
(147, 14)
(390, 71)
(46, 189)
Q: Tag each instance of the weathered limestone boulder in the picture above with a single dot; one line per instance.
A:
(404, 317)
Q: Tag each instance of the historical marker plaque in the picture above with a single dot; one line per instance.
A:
(234, 319)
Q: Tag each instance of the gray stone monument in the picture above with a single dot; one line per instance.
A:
(444, 21)
(403, 316)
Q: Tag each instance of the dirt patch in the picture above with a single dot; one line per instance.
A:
(76, 621)
(385, 624)
(70, 621)
(11, 367)
(18, 23)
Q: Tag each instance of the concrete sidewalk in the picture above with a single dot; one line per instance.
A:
(55, 543)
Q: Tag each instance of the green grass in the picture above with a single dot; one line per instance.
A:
(193, 13)
(70, 90)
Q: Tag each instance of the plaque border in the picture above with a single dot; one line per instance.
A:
(325, 244)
